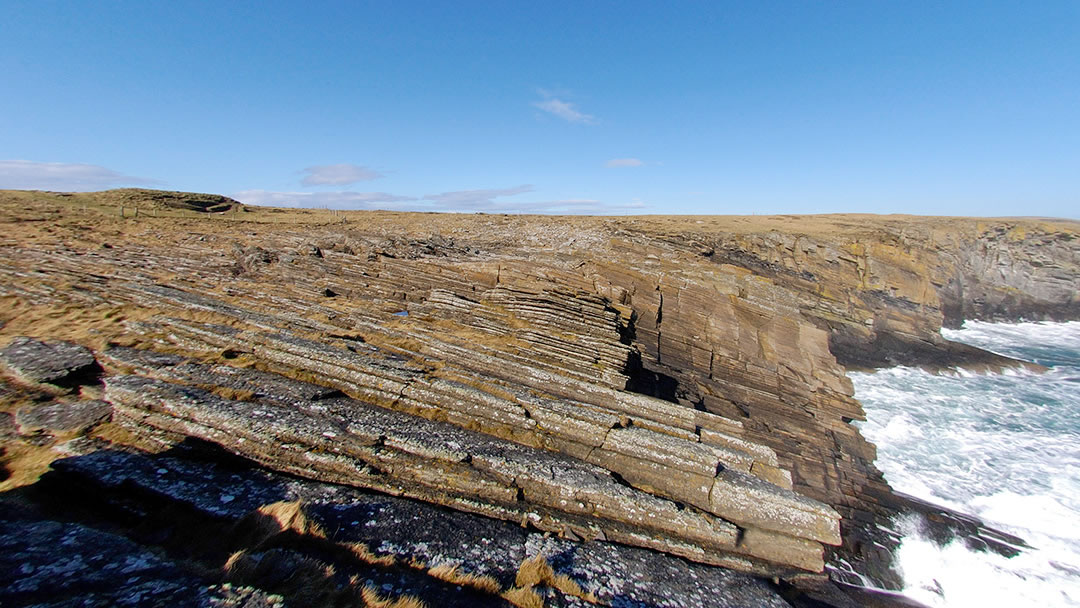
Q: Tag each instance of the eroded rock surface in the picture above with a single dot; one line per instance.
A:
(62, 417)
(666, 383)
(50, 363)
(402, 532)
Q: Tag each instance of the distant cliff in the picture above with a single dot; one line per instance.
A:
(671, 383)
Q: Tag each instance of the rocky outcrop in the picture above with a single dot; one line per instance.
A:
(670, 384)
(54, 364)
(884, 287)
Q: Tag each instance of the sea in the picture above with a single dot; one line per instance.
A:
(1004, 447)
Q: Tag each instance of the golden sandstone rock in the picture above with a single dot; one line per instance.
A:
(671, 383)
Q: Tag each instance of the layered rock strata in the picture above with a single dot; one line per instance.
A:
(680, 368)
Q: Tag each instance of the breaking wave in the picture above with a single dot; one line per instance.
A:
(1003, 447)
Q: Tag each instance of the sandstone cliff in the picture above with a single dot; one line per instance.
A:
(669, 383)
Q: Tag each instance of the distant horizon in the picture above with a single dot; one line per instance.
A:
(572, 215)
(963, 109)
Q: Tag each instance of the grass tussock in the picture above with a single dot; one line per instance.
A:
(523, 597)
(363, 553)
(302, 580)
(534, 571)
(372, 599)
(23, 464)
(453, 574)
(273, 540)
(290, 516)
(272, 522)
(537, 572)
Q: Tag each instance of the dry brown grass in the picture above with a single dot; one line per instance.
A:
(523, 597)
(309, 582)
(453, 574)
(536, 571)
(93, 326)
(232, 394)
(363, 553)
(290, 516)
(372, 599)
(269, 522)
(25, 463)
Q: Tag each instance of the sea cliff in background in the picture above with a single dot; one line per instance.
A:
(674, 384)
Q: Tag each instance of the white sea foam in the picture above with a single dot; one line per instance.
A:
(1004, 447)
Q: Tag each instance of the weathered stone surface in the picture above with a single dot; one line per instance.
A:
(715, 338)
(410, 530)
(348, 442)
(651, 461)
(49, 563)
(53, 362)
(62, 417)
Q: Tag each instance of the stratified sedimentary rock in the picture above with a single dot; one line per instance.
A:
(669, 383)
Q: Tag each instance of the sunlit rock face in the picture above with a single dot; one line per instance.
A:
(668, 383)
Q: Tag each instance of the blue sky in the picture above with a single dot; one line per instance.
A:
(956, 108)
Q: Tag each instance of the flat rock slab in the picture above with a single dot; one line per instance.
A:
(62, 417)
(409, 529)
(50, 563)
(55, 363)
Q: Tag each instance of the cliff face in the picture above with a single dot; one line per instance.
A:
(884, 287)
(669, 383)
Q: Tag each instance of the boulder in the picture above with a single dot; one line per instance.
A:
(52, 363)
(60, 417)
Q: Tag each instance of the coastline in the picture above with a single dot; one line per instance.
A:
(736, 323)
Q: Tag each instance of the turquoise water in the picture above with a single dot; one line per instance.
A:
(1004, 447)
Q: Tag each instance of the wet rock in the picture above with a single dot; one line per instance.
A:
(53, 363)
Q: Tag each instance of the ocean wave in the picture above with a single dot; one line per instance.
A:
(1003, 447)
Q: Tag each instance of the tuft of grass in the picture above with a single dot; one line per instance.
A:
(260, 527)
(308, 582)
(569, 586)
(453, 574)
(523, 597)
(290, 516)
(24, 464)
(372, 599)
(363, 553)
(536, 571)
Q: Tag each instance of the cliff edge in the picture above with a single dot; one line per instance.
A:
(675, 384)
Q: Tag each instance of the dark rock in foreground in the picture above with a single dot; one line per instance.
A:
(220, 491)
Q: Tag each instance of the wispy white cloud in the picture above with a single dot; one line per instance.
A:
(338, 175)
(577, 206)
(330, 200)
(491, 201)
(623, 162)
(566, 110)
(475, 200)
(33, 175)
(488, 200)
